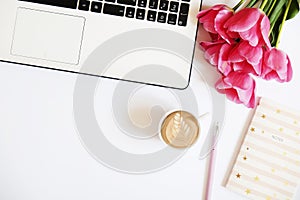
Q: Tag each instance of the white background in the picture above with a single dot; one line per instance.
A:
(41, 156)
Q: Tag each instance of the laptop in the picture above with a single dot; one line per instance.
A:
(144, 41)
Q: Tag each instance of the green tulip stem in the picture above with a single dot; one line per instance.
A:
(271, 9)
(264, 3)
(238, 5)
(283, 21)
(251, 3)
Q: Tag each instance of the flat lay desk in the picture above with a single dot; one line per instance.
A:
(42, 158)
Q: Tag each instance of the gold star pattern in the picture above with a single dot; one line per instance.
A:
(256, 178)
(263, 116)
(252, 129)
(298, 133)
(278, 111)
(268, 198)
(286, 183)
(295, 122)
(238, 175)
(273, 170)
(248, 191)
(244, 158)
(281, 129)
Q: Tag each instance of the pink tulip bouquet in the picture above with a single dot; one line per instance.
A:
(244, 44)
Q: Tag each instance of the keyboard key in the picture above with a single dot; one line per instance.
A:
(96, 7)
(59, 3)
(112, 1)
(162, 17)
(182, 20)
(174, 6)
(172, 18)
(153, 4)
(130, 12)
(142, 3)
(151, 15)
(164, 5)
(140, 13)
(127, 2)
(84, 5)
(114, 10)
(184, 9)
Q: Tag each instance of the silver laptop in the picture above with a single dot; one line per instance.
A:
(146, 41)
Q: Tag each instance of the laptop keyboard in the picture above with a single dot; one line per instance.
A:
(173, 12)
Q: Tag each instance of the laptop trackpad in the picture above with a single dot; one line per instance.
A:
(48, 36)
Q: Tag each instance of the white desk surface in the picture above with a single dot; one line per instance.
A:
(36, 115)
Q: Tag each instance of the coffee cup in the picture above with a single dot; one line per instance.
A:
(179, 129)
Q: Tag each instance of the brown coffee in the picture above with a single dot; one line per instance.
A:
(180, 129)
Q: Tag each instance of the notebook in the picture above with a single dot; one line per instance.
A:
(267, 166)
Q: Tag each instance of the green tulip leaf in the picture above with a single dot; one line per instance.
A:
(275, 33)
(268, 6)
(294, 9)
(277, 11)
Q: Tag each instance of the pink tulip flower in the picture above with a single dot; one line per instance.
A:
(277, 65)
(242, 21)
(249, 24)
(214, 18)
(240, 46)
(216, 53)
(212, 51)
(233, 57)
(238, 87)
(246, 58)
(224, 65)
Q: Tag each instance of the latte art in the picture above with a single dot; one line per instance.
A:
(180, 129)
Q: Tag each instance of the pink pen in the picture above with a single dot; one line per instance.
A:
(211, 168)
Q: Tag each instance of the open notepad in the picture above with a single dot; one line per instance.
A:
(267, 166)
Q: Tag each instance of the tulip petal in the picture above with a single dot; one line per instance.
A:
(277, 66)
(252, 54)
(214, 8)
(208, 22)
(258, 33)
(223, 65)
(235, 56)
(251, 35)
(265, 30)
(238, 87)
(220, 19)
(207, 17)
(212, 51)
(289, 70)
(247, 68)
(243, 20)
